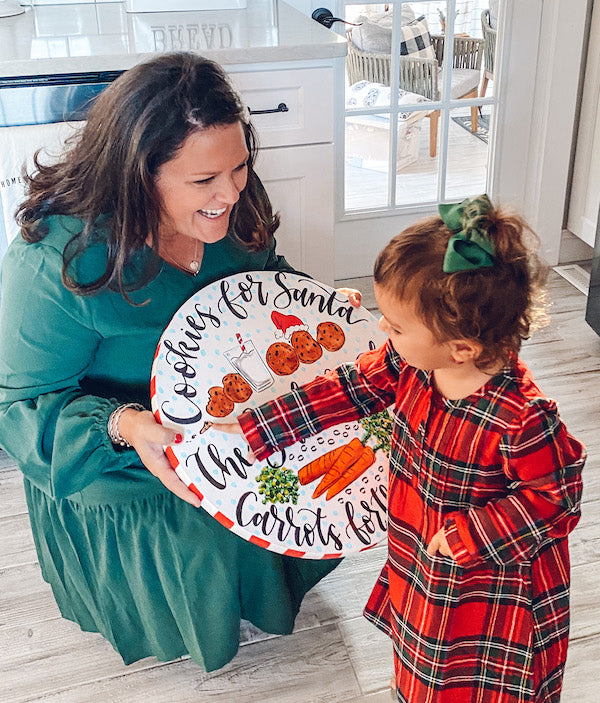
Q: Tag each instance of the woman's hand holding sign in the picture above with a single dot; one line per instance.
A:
(148, 438)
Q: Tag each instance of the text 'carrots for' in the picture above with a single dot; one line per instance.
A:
(366, 459)
(349, 454)
(319, 466)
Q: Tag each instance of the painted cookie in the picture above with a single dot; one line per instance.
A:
(236, 388)
(219, 404)
(282, 359)
(330, 336)
(306, 347)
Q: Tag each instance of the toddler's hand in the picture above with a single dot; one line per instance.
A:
(354, 296)
(229, 427)
(439, 543)
(233, 428)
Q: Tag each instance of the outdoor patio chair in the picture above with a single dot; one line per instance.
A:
(421, 75)
(489, 51)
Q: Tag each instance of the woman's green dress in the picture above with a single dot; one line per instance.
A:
(124, 556)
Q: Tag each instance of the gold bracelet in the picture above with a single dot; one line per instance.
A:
(113, 424)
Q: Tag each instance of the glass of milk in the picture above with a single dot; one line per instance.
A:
(247, 362)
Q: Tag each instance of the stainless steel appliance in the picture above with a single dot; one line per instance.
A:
(27, 100)
(592, 313)
(42, 100)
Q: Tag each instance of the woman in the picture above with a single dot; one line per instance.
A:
(155, 198)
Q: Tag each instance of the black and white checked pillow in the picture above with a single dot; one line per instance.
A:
(416, 40)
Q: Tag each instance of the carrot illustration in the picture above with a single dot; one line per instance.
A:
(366, 459)
(318, 466)
(346, 458)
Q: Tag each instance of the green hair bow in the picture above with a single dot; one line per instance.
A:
(470, 246)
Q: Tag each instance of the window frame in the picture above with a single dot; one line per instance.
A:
(445, 105)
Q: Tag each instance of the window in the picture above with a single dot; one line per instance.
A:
(419, 102)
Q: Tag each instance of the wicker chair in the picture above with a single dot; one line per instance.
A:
(489, 51)
(419, 75)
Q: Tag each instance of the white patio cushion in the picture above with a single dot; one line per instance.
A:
(376, 37)
(366, 94)
(464, 80)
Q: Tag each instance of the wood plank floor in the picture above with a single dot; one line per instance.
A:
(334, 655)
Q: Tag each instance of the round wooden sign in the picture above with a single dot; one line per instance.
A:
(238, 343)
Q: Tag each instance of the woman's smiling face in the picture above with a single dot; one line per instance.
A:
(200, 185)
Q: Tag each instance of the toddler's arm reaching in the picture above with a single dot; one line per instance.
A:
(235, 428)
(229, 427)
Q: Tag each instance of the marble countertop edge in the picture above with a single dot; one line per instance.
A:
(119, 62)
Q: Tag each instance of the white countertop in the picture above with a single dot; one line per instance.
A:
(102, 36)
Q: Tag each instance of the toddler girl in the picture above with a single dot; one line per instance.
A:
(485, 480)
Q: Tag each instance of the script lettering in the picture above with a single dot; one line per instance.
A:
(244, 292)
(188, 420)
(236, 464)
(327, 301)
(283, 524)
(375, 512)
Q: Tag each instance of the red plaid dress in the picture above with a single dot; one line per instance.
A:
(499, 471)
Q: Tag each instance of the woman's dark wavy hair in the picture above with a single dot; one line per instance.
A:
(495, 306)
(133, 128)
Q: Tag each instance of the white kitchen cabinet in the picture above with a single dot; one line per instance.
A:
(296, 159)
(300, 184)
(306, 93)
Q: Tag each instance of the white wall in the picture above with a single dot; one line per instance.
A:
(585, 188)
(555, 94)
(308, 6)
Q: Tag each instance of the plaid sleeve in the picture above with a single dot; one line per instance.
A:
(348, 392)
(543, 462)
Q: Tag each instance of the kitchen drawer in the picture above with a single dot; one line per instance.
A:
(306, 93)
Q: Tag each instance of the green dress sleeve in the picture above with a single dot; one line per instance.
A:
(56, 346)
(54, 431)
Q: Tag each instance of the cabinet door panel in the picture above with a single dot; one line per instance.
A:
(299, 181)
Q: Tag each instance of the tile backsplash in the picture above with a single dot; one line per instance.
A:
(100, 28)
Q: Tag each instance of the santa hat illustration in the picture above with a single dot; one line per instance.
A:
(286, 324)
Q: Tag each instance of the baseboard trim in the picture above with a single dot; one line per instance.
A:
(576, 275)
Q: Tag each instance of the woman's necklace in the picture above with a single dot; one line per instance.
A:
(193, 267)
(194, 264)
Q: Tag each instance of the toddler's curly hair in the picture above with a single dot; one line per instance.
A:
(496, 306)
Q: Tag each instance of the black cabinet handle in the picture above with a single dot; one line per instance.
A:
(282, 107)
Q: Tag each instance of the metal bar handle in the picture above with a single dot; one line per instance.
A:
(282, 107)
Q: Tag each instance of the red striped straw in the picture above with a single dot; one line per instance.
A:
(239, 339)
